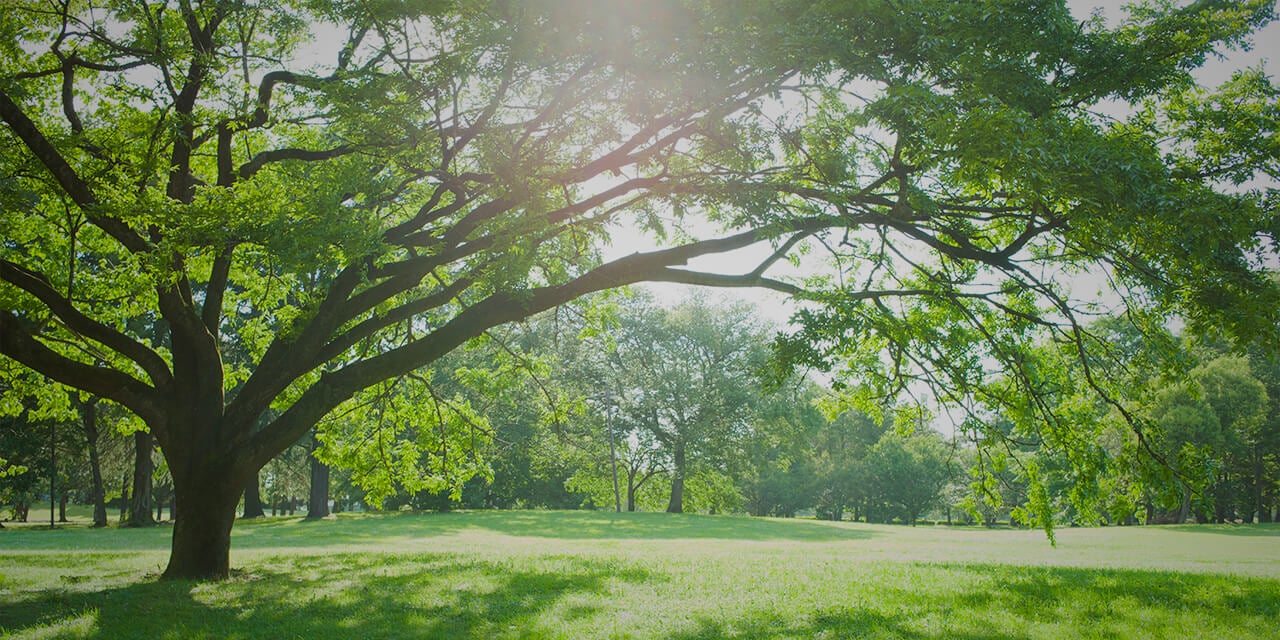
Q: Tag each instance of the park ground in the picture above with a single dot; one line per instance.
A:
(539, 574)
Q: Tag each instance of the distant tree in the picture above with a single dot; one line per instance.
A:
(1240, 402)
(791, 456)
(88, 410)
(688, 381)
(908, 473)
(140, 500)
(1264, 444)
(318, 495)
(253, 497)
(26, 450)
(845, 444)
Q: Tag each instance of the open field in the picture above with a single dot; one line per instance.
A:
(603, 575)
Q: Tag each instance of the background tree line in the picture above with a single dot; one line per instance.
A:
(680, 401)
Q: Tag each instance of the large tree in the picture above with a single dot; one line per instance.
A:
(347, 213)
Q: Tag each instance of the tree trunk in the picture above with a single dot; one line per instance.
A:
(1185, 510)
(89, 420)
(253, 497)
(1258, 471)
(202, 536)
(140, 503)
(631, 489)
(124, 497)
(676, 505)
(318, 501)
(62, 508)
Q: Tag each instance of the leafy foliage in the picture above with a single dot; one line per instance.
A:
(206, 221)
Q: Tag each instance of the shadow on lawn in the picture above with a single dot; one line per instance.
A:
(997, 602)
(564, 525)
(447, 596)
(1271, 529)
(339, 597)
(839, 623)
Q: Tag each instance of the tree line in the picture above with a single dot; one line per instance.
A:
(679, 403)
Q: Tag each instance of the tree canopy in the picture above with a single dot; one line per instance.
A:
(223, 210)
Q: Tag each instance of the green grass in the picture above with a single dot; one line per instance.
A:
(602, 575)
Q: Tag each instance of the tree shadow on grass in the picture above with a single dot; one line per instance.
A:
(997, 602)
(836, 623)
(1101, 596)
(564, 525)
(657, 526)
(450, 596)
(338, 597)
(1270, 529)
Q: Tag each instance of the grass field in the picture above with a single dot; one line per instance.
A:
(603, 575)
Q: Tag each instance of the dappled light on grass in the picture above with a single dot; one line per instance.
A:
(598, 575)
(336, 597)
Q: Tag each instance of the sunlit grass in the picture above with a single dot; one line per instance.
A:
(604, 575)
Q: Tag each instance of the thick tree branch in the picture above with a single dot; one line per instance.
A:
(38, 286)
(367, 328)
(333, 388)
(215, 290)
(286, 357)
(67, 178)
(17, 343)
(750, 280)
(255, 164)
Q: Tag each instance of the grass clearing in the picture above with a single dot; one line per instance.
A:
(604, 575)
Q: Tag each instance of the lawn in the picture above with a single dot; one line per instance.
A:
(531, 574)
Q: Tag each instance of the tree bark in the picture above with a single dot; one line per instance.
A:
(124, 497)
(318, 501)
(89, 420)
(1259, 509)
(140, 502)
(1185, 509)
(253, 498)
(676, 505)
(202, 536)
